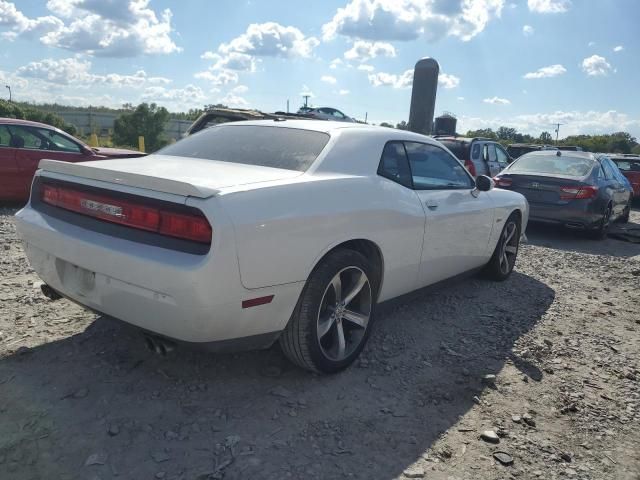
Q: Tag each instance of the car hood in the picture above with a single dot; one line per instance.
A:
(117, 152)
(165, 173)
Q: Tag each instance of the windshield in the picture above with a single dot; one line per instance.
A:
(265, 146)
(552, 164)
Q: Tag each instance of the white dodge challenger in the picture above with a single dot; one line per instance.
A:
(254, 232)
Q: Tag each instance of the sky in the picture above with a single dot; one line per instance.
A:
(526, 64)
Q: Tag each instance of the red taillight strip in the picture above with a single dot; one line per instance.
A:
(254, 302)
(578, 193)
(189, 226)
(502, 182)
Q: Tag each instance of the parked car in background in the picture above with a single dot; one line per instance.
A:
(629, 166)
(481, 156)
(516, 150)
(325, 113)
(251, 232)
(569, 148)
(577, 190)
(23, 144)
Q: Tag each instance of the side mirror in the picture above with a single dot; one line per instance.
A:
(484, 183)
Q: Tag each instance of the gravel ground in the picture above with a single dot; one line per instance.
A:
(544, 368)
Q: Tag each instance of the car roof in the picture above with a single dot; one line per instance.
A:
(28, 123)
(325, 126)
(451, 138)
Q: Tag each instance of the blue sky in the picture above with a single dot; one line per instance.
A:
(521, 63)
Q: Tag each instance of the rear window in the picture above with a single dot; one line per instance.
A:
(275, 147)
(458, 148)
(552, 164)
(628, 164)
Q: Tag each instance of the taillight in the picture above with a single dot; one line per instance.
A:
(188, 226)
(470, 167)
(502, 182)
(578, 193)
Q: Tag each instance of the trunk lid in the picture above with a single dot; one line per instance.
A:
(541, 189)
(178, 175)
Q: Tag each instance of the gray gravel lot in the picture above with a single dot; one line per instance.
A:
(548, 362)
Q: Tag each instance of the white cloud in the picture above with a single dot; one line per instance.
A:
(344, 92)
(546, 72)
(189, 95)
(405, 20)
(335, 63)
(363, 50)
(405, 80)
(365, 68)
(461, 99)
(497, 101)
(575, 122)
(528, 30)
(271, 39)
(76, 71)
(591, 44)
(224, 77)
(234, 101)
(240, 89)
(448, 81)
(549, 6)
(619, 48)
(596, 65)
(329, 79)
(115, 28)
(20, 24)
(306, 91)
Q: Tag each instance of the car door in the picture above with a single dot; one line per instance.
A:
(503, 157)
(42, 143)
(10, 186)
(622, 191)
(459, 219)
(491, 159)
(615, 188)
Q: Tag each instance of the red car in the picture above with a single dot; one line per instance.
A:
(23, 144)
(629, 165)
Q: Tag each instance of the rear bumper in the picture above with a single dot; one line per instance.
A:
(191, 298)
(572, 216)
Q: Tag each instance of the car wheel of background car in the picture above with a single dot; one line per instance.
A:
(334, 315)
(600, 233)
(504, 256)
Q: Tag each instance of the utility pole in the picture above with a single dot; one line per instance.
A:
(287, 105)
(306, 99)
(9, 92)
(558, 130)
(366, 116)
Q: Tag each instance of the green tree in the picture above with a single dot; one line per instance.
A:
(483, 132)
(13, 110)
(147, 120)
(402, 125)
(545, 137)
(506, 133)
(385, 124)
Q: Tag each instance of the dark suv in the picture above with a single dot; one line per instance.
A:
(481, 156)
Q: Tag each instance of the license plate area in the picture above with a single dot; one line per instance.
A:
(76, 279)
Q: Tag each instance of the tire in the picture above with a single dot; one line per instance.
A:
(328, 330)
(626, 213)
(600, 233)
(504, 256)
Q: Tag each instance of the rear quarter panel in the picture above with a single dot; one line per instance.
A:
(283, 231)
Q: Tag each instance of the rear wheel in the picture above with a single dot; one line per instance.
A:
(334, 316)
(600, 233)
(504, 256)
(626, 213)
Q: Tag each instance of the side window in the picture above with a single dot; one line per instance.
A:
(432, 168)
(55, 141)
(23, 137)
(490, 153)
(503, 158)
(5, 138)
(608, 171)
(475, 151)
(394, 164)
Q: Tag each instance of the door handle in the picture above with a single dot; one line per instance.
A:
(431, 205)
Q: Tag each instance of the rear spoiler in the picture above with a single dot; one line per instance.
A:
(129, 179)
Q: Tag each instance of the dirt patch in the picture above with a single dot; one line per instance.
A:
(544, 367)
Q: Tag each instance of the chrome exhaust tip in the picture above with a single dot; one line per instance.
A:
(159, 345)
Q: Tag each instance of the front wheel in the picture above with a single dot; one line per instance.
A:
(504, 256)
(334, 316)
